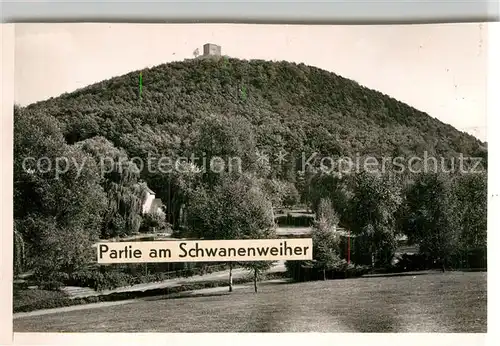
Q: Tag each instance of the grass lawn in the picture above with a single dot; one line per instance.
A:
(436, 302)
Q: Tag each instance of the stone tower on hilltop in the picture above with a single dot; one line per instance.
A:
(211, 49)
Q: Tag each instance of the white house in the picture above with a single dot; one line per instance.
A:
(152, 204)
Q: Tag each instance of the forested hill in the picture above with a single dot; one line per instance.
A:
(76, 175)
(295, 107)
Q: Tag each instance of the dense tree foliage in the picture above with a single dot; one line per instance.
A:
(154, 222)
(120, 180)
(326, 213)
(19, 255)
(192, 112)
(432, 218)
(50, 209)
(470, 193)
(193, 107)
(372, 212)
(235, 209)
(293, 107)
(326, 243)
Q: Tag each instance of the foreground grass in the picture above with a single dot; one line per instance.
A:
(449, 302)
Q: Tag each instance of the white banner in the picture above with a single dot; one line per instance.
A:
(205, 250)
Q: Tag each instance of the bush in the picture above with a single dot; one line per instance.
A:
(358, 248)
(291, 196)
(154, 223)
(413, 262)
(295, 220)
(301, 271)
(50, 282)
(100, 281)
(106, 277)
(468, 259)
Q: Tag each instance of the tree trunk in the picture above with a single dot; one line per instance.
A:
(176, 221)
(324, 274)
(255, 280)
(230, 276)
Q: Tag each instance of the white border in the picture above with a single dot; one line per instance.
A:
(251, 339)
(6, 178)
(493, 127)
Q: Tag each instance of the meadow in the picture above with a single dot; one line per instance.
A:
(413, 302)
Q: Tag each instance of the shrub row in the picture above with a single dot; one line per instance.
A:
(295, 220)
(101, 281)
(101, 278)
(299, 271)
(471, 259)
(174, 269)
(66, 301)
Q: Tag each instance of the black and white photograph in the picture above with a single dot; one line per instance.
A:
(367, 142)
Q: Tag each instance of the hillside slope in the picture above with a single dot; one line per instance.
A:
(293, 107)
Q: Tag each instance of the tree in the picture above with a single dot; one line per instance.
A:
(470, 195)
(36, 135)
(235, 209)
(470, 191)
(326, 242)
(275, 189)
(266, 231)
(334, 187)
(258, 268)
(432, 220)
(75, 205)
(372, 214)
(304, 185)
(325, 247)
(120, 180)
(153, 223)
(19, 252)
(55, 203)
(327, 213)
(291, 196)
(228, 144)
(174, 186)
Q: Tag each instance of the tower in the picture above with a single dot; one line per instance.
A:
(211, 49)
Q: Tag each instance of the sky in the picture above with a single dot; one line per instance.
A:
(440, 69)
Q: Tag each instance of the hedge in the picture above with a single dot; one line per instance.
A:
(303, 220)
(299, 271)
(109, 277)
(469, 259)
